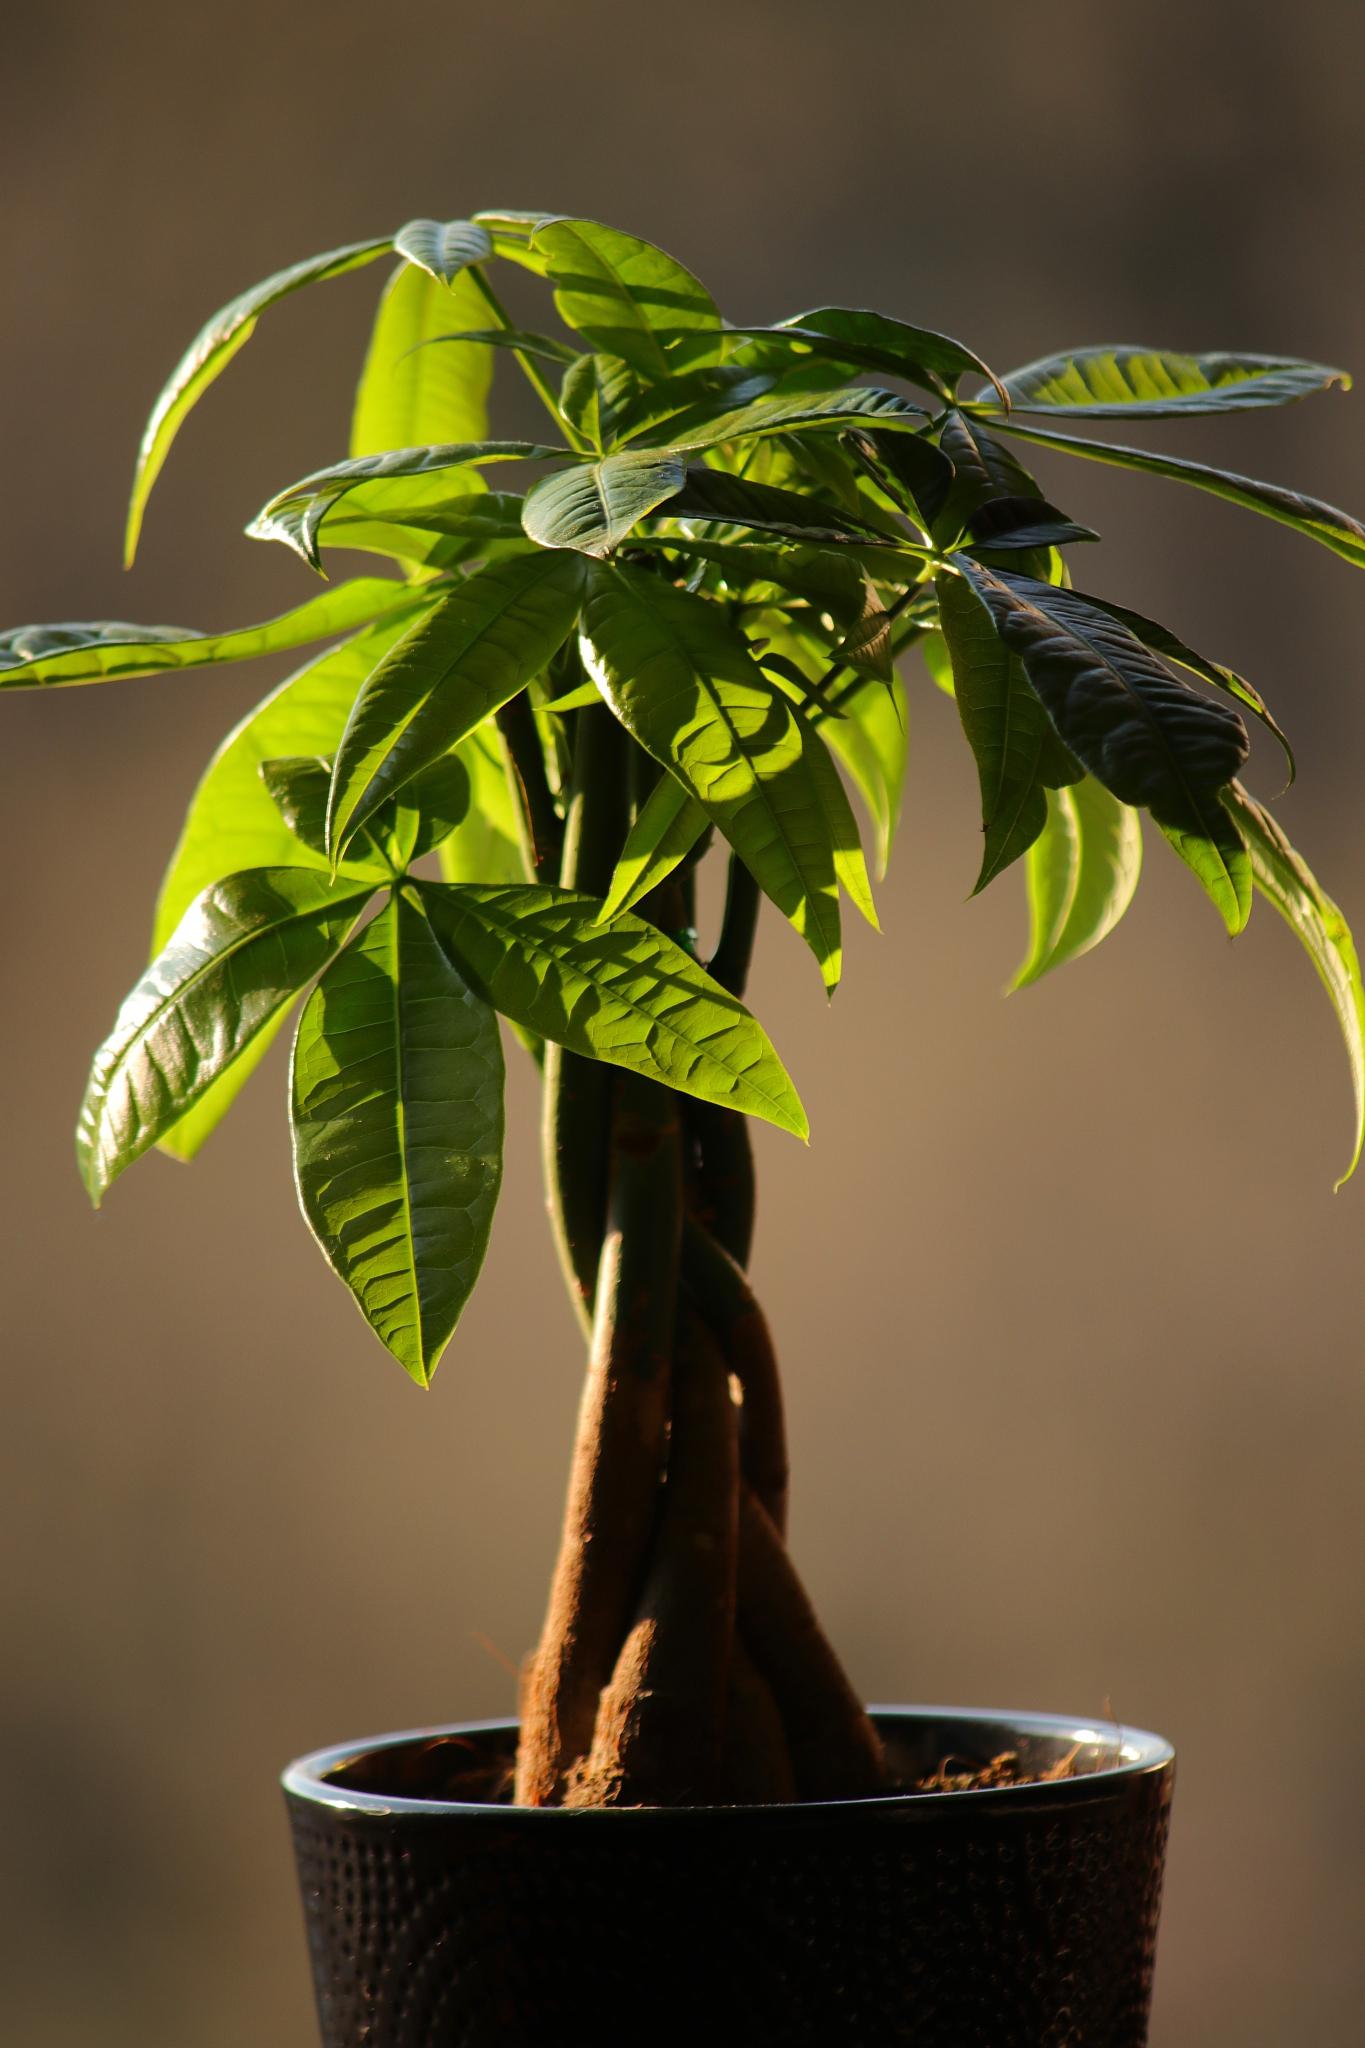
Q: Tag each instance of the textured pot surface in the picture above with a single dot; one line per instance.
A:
(1021, 1916)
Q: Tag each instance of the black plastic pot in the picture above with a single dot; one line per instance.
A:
(1020, 1916)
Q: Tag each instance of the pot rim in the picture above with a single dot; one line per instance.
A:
(1143, 1754)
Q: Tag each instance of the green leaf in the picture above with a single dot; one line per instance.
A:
(735, 501)
(485, 845)
(1170, 647)
(914, 474)
(519, 339)
(1334, 529)
(870, 736)
(1023, 523)
(243, 950)
(466, 657)
(619, 992)
(444, 248)
(1082, 871)
(1150, 738)
(668, 826)
(392, 519)
(408, 395)
(619, 291)
(1125, 380)
(294, 516)
(594, 506)
(860, 406)
(874, 341)
(1220, 864)
(849, 863)
(297, 785)
(398, 1122)
(209, 354)
(831, 584)
(58, 657)
(593, 395)
(983, 470)
(1007, 728)
(1284, 879)
(684, 683)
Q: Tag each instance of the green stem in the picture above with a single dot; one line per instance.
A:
(542, 834)
(535, 376)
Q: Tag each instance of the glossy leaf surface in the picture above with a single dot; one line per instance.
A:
(682, 680)
(463, 659)
(594, 506)
(619, 992)
(1083, 871)
(1285, 879)
(241, 953)
(1150, 738)
(1129, 381)
(620, 292)
(210, 353)
(60, 657)
(397, 1123)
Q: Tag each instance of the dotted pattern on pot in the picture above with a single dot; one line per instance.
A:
(1000, 1924)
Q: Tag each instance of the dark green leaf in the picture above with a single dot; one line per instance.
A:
(620, 291)
(471, 653)
(1083, 872)
(619, 992)
(1164, 642)
(52, 657)
(397, 1121)
(594, 506)
(294, 516)
(211, 351)
(1023, 523)
(735, 501)
(685, 684)
(1336, 530)
(862, 406)
(1124, 380)
(983, 470)
(669, 824)
(874, 341)
(444, 248)
(1007, 728)
(914, 473)
(1284, 879)
(243, 950)
(596, 390)
(1147, 736)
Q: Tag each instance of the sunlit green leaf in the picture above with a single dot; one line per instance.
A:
(620, 291)
(669, 824)
(1129, 381)
(476, 648)
(51, 657)
(684, 683)
(418, 520)
(1285, 879)
(410, 396)
(1220, 864)
(855, 406)
(849, 863)
(1336, 530)
(874, 341)
(620, 992)
(594, 506)
(595, 392)
(211, 351)
(1083, 871)
(240, 954)
(397, 1121)
(484, 846)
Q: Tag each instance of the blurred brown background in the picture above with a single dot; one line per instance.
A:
(1070, 1316)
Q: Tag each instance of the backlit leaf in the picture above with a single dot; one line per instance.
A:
(668, 826)
(1127, 381)
(411, 396)
(1083, 871)
(620, 291)
(444, 248)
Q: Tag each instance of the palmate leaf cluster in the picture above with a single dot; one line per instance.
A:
(729, 537)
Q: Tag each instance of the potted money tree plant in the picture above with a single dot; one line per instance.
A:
(678, 639)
